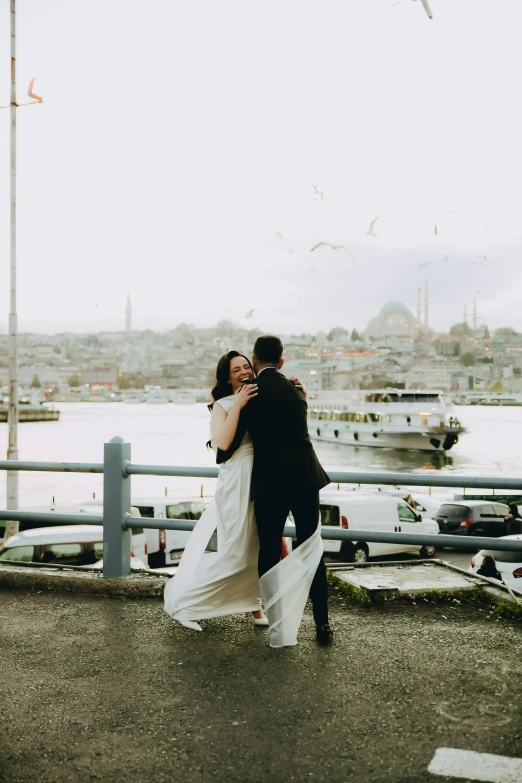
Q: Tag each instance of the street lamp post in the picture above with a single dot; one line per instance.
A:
(12, 449)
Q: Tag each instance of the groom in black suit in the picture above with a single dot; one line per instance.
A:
(287, 475)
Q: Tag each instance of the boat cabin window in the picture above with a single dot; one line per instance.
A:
(146, 511)
(380, 397)
(413, 397)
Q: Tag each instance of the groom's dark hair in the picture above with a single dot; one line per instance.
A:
(268, 349)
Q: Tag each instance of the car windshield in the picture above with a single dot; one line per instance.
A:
(452, 511)
(503, 557)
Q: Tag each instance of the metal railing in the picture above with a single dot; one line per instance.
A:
(117, 521)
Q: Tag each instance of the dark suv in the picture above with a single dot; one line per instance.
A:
(472, 518)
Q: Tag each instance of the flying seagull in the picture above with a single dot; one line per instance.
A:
(371, 232)
(317, 195)
(283, 240)
(333, 247)
(32, 94)
(427, 8)
(426, 263)
(250, 313)
(424, 4)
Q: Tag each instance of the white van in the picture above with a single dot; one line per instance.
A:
(72, 545)
(375, 512)
(165, 547)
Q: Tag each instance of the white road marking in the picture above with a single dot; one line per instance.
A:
(456, 763)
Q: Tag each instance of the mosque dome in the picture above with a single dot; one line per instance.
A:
(394, 320)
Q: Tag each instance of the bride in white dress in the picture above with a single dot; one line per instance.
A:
(213, 584)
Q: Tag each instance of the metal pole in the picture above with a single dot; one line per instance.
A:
(12, 449)
(116, 507)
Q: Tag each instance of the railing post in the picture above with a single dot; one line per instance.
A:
(116, 503)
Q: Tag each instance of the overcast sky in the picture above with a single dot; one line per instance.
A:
(176, 139)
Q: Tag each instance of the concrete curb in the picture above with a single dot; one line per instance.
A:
(49, 579)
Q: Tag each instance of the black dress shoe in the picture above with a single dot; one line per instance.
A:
(324, 635)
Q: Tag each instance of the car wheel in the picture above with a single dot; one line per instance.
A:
(428, 551)
(360, 553)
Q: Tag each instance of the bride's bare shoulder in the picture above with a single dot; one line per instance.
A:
(225, 402)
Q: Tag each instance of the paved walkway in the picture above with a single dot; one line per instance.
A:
(111, 689)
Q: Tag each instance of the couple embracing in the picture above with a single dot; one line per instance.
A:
(268, 468)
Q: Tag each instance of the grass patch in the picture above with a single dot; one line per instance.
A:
(359, 595)
(475, 598)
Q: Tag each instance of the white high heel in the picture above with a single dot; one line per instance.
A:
(260, 621)
(191, 624)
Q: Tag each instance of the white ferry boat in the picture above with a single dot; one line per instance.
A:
(385, 418)
(157, 396)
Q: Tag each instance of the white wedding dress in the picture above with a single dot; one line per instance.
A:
(213, 584)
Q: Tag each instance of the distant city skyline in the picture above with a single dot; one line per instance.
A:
(127, 323)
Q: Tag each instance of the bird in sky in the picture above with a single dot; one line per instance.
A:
(424, 4)
(436, 261)
(317, 195)
(333, 247)
(312, 270)
(31, 92)
(427, 8)
(371, 232)
(250, 313)
(283, 240)
(436, 230)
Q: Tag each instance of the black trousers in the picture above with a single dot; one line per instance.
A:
(272, 508)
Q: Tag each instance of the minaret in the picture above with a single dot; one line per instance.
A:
(419, 306)
(466, 314)
(426, 305)
(128, 315)
(475, 315)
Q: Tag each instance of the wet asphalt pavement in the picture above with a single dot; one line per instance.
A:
(97, 688)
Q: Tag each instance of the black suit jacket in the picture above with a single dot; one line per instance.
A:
(276, 419)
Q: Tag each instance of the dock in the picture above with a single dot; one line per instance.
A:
(31, 413)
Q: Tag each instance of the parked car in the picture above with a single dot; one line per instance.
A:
(76, 545)
(509, 564)
(372, 512)
(472, 518)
